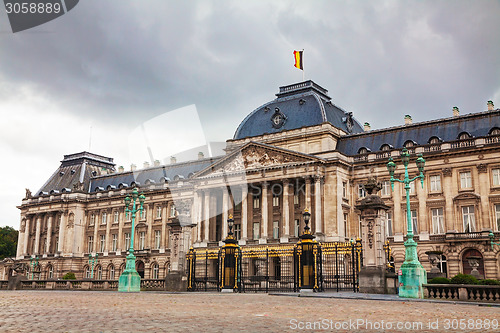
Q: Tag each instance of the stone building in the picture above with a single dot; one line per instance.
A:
(295, 152)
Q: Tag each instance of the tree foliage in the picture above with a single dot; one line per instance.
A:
(8, 242)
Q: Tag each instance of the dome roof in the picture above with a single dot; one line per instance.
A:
(298, 105)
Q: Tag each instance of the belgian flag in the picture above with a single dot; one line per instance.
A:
(298, 59)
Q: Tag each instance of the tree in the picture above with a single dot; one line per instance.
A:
(8, 242)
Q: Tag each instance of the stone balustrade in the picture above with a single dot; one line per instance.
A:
(463, 292)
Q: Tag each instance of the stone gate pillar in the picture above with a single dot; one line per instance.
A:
(179, 240)
(372, 276)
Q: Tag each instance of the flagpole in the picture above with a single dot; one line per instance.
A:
(303, 70)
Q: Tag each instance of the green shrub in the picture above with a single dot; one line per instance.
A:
(69, 276)
(489, 282)
(464, 279)
(439, 280)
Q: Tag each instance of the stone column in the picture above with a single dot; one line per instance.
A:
(286, 211)
(308, 194)
(27, 235)
(121, 221)
(62, 229)
(206, 217)
(107, 241)
(449, 223)
(318, 209)
(482, 216)
(265, 213)
(149, 222)
(96, 228)
(372, 277)
(163, 227)
(225, 212)
(197, 214)
(37, 234)
(244, 213)
(49, 233)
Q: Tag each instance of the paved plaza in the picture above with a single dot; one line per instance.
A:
(79, 311)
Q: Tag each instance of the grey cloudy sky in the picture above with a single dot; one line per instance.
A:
(112, 65)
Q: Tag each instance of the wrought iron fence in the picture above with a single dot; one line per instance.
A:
(279, 268)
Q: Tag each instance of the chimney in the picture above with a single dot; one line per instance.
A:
(367, 127)
(456, 111)
(157, 163)
(133, 167)
(491, 106)
(145, 165)
(173, 160)
(201, 155)
(121, 168)
(408, 120)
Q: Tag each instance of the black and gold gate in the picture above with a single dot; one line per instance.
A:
(329, 266)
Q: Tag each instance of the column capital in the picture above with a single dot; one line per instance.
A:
(264, 184)
(318, 177)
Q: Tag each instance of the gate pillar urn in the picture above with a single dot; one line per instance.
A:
(372, 276)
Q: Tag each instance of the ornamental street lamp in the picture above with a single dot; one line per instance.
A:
(92, 262)
(412, 274)
(130, 280)
(34, 263)
(491, 235)
(230, 257)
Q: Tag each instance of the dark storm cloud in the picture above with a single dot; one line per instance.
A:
(109, 58)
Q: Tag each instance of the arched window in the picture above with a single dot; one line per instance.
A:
(434, 140)
(155, 271)
(98, 272)
(409, 144)
(468, 263)
(111, 272)
(495, 131)
(86, 271)
(386, 147)
(363, 150)
(464, 136)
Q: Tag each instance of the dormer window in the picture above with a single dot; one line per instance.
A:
(464, 136)
(110, 187)
(409, 144)
(495, 131)
(434, 140)
(363, 150)
(149, 182)
(164, 180)
(122, 185)
(386, 147)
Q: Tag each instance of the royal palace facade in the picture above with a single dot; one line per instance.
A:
(299, 151)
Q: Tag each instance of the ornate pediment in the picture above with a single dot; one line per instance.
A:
(256, 156)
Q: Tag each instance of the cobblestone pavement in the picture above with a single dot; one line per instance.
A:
(88, 311)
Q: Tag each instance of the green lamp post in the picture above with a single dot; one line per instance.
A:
(92, 262)
(412, 275)
(492, 240)
(130, 280)
(34, 263)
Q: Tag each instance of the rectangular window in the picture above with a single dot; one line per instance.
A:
(296, 199)
(92, 219)
(388, 224)
(414, 221)
(344, 190)
(90, 244)
(128, 216)
(157, 239)
(127, 240)
(469, 219)
(435, 183)
(237, 231)
(237, 201)
(256, 202)
(172, 210)
(297, 227)
(465, 179)
(346, 234)
(158, 212)
(142, 214)
(276, 230)
(104, 218)
(276, 201)
(57, 244)
(437, 221)
(256, 230)
(102, 245)
(496, 177)
(497, 216)
(116, 215)
(386, 188)
(114, 242)
(361, 191)
(142, 240)
(412, 188)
